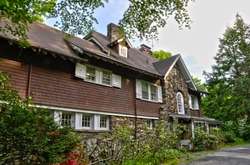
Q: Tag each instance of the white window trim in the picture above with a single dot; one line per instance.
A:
(94, 121)
(99, 76)
(191, 100)
(120, 51)
(182, 111)
(139, 91)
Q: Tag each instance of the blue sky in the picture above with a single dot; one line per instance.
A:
(197, 45)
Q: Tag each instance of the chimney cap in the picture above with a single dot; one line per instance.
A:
(145, 46)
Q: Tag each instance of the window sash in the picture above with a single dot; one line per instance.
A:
(145, 90)
(87, 121)
(67, 119)
(103, 121)
(180, 103)
(153, 92)
(91, 74)
(106, 78)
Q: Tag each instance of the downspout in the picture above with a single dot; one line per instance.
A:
(29, 81)
(135, 133)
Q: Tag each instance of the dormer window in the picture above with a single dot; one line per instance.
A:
(123, 51)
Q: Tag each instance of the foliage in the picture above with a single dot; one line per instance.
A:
(29, 135)
(149, 147)
(199, 84)
(23, 12)
(207, 141)
(161, 54)
(228, 84)
(141, 19)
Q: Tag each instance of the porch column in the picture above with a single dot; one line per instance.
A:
(192, 129)
(207, 127)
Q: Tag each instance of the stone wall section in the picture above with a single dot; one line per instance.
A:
(174, 83)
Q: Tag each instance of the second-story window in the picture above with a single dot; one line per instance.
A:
(90, 74)
(148, 91)
(106, 78)
(180, 103)
(145, 91)
(154, 94)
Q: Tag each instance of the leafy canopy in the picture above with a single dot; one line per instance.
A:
(228, 83)
(142, 19)
(161, 54)
(29, 135)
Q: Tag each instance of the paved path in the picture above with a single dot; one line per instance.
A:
(230, 156)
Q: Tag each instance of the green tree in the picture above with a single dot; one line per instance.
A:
(141, 19)
(228, 84)
(199, 84)
(161, 54)
(29, 135)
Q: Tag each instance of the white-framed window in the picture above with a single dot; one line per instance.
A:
(90, 74)
(193, 102)
(180, 103)
(97, 75)
(148, 91)
(123, 51)
(150, 123)
(153, 93)
(104, 122)
(106, 77)
(87, 121)
(82, 121)
(65, 119)
(145, 90)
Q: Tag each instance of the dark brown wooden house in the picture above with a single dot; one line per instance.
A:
(95, 83)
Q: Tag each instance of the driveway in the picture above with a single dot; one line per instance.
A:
(229, 156)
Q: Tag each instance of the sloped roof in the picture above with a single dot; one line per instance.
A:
(53, 40)
(136, 58)
(165, 65)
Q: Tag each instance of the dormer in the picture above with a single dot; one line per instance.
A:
(117, 39)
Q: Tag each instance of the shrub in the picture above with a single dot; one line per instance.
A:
(29, 135)
(207, 141)
(149, 147)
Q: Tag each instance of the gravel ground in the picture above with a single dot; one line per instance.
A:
(230, 156)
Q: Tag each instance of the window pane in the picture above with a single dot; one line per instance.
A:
(90, 74)
(103, 121)
(145, 92)
(67, 119)
(153, 90)
(86, 120)
(106, 77)
(180, 103)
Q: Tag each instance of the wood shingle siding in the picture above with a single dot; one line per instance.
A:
(60, 88)
(18, 74)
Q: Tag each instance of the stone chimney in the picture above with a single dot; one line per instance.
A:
(145, 49)
(114, 32)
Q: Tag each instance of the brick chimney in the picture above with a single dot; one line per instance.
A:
(114, 32)
(145, 49)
